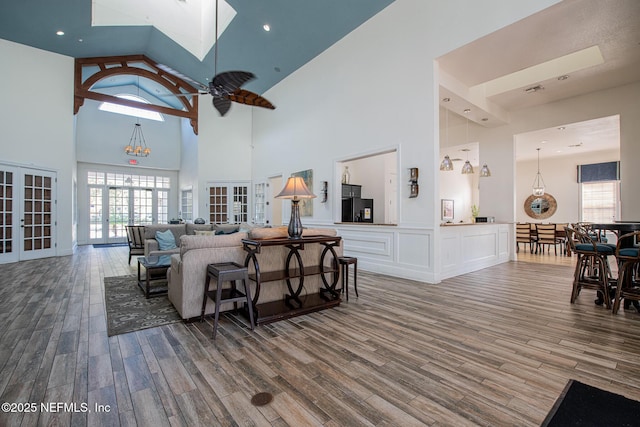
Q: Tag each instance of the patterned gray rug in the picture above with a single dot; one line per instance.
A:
(128, 310)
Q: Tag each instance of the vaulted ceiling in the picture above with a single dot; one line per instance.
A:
(299, 31)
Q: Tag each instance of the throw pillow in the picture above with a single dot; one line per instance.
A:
(226, 228)
(166, 240)
(203, 232)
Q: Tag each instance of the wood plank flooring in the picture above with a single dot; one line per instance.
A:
(490, 348)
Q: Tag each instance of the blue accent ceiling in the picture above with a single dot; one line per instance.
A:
(300, 30)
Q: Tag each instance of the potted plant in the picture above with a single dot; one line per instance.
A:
(475, 210)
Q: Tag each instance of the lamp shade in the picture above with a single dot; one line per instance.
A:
(295, 189)
(447, 164)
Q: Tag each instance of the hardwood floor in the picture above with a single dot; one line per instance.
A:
(493, 348)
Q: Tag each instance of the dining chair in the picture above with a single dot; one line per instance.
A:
(561, 236)
(546, 235)
(523, 235)
(592, 266)
(135, 238)
(628, 257)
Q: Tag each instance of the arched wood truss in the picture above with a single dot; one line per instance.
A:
(126, 65)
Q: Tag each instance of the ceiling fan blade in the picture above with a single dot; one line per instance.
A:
(182, 94)
(221, 104)
(184, 77)
(229, 81)
(243, 96)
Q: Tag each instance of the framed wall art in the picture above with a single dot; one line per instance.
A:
(447, 209)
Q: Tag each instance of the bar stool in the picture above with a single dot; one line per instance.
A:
(592, 266)
(345, 262)
(628, 256)
(227, 272)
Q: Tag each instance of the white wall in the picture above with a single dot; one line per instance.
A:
(224, 149)
(188, 174)
(376, 89)
(560, 178)
(36, 107)
(102, 136)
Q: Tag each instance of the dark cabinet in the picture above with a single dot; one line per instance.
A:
(351, 190)
(354, 208)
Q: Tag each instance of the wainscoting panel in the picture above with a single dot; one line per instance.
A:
(471, 247)
(392, 250)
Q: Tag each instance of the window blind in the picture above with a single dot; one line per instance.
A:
(609, 171)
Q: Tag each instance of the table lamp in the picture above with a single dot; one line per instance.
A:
(295, 189)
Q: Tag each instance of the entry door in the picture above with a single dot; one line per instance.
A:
(27, 211)
(9, 208)
(37, 222)
(119, 208)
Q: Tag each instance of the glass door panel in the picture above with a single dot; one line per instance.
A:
(142, 207)
(118, 214)
(8, 226)
(37, 214)
(96, 218)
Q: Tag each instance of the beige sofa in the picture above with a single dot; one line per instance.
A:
(178, 230)
(187, 274)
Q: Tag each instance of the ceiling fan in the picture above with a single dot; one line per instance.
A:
(227, 86)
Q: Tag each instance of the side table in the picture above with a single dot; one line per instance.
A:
(155, 275)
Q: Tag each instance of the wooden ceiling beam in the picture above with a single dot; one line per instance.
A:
(122, 65)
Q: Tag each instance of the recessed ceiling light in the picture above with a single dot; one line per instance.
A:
(467, 110)
(561, 128)
(276, 69)
(544, 142)
(534, 89)
(60, 33)
(565, 77)
(266, 27)
(446, 99)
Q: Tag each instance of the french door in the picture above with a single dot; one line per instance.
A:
(27, 213)
(112, 208)
(228, 202)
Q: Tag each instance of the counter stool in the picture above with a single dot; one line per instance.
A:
(628, 256)
(592, 267)
(227, 272)
(345, 261)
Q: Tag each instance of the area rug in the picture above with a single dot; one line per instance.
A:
(128, 310)
(583, 405)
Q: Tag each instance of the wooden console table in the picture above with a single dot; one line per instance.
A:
(293, 305)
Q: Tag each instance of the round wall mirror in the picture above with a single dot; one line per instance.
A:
(540, 207)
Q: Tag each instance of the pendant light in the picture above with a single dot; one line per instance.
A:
(484, 171)
(447, 164)
(467, 168)
(538, 182)
(137, 145)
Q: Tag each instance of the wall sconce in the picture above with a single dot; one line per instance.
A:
(323, 191)
(413, 181)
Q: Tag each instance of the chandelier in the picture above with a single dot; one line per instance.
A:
(538, 182)
(137, 145)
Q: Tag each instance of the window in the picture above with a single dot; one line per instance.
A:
(131, 111)
(600, 201)
(186, 205)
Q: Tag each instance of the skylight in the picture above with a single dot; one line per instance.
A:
(191, 23)
(131, 111)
